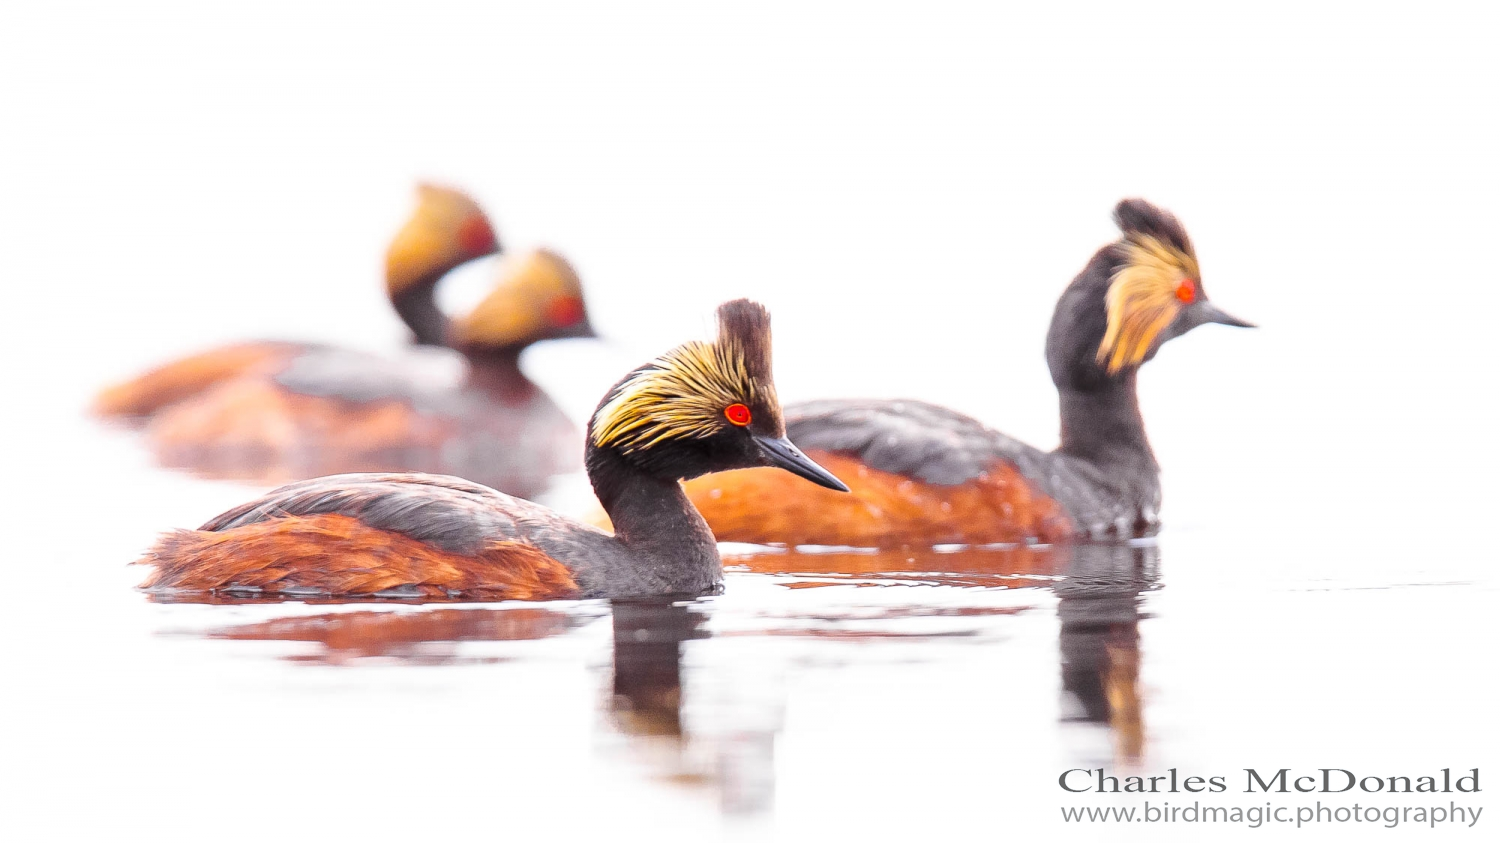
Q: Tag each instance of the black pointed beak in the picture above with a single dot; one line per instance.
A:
(1213, 314)
(783, 454)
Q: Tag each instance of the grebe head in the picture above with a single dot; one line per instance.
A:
(537, 298)
(446, 229)
(1134, 295)
(704, 407)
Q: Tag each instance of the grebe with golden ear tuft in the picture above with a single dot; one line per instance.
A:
(274, 412)
(336, 411)
(700, 408)
(446, 230)
(923, 475)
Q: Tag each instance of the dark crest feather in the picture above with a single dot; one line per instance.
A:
(1137, 216)
(748, 323)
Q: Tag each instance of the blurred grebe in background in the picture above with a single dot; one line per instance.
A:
(332, 411)
(701, 407)
(274, 412)
(446, 230)
(923, 475)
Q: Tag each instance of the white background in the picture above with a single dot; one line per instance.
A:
(907, 187)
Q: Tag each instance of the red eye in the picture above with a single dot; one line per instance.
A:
(476, 237)
(1187, 291)
(565, 311)
(738, 414)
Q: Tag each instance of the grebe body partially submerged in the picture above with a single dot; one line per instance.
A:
(337, 411)
(700, 408)
(922, 475)
(446, 230)
(277, 411)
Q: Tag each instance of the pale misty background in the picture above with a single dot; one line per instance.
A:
(908, 191)
(908, 187)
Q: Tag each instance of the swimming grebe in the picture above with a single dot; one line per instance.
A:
(922, 475)
(699, 408)
(446, 230)
(332, 411)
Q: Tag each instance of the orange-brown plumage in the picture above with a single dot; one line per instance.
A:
(338, 554)
(260, 415)
(508, 435)
(884, 509)
(424, 535)
(255, 429)
(148, 394)
(925, 475)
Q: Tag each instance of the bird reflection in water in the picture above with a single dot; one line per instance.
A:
(648, 641)
(1100, 611)
(1099, 588)
(736, 758)
(988, 567)
(728, 746)
(645, 703)
(419, 638)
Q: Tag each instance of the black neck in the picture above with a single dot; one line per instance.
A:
(418, 309)
(497, 371)
(1103, 425)
(655, 521)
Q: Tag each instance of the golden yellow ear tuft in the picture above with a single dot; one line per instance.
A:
(538, 296)
(446, 229)
(1142, 299)
(690, 392)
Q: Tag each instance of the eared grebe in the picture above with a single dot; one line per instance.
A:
(923, 475)
(332, 411)
(701, 407)
(446, 230)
